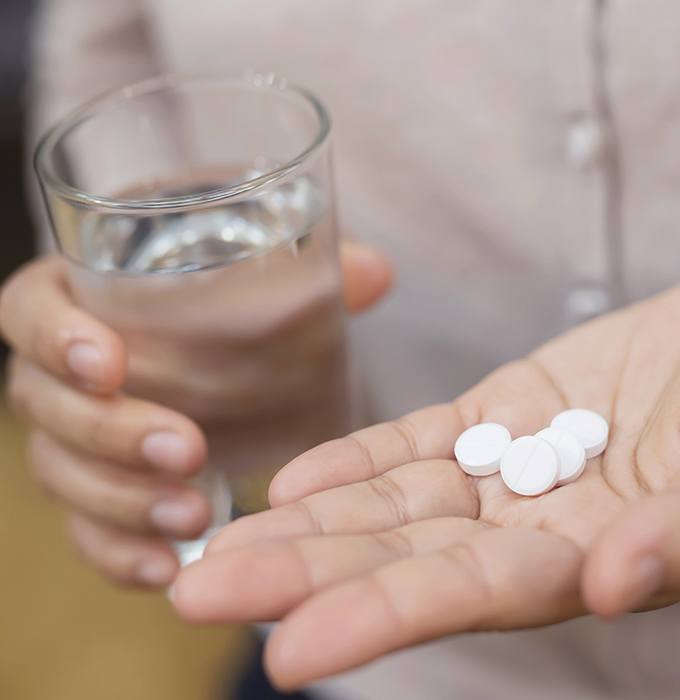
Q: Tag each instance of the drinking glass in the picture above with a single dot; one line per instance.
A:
(195, 217)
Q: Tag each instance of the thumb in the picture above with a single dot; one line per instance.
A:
(635, 564)
(367, 275)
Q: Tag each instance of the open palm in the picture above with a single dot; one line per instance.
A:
(378, 540)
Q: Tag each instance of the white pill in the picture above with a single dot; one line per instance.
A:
(570, 451)
(479, 449)
(589, 427)
(530, 466)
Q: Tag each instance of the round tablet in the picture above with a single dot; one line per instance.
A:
(589, 427)
(571, 453)
(479, 449)
(530, 466)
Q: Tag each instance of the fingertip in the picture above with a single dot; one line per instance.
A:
(175, 444)
(215, 591)
(318, 469)
(94, 356)
(365, 255)
(115, 363)
(199, 452)
(186, 517)
(187, 594)
(278, 493)
(368, 275)
(97, 367)
(157, 572)
(227, 537)
(622, 568)
(274, 524)
(279, 661)
(601, 582)
(608, 596)
(123, 557)
(199, 592)
(332, 632)
(44, 324)
(314, 642)
(169, 450)
(599, 597)
(284, 487)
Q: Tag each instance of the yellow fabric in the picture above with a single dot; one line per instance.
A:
(66, 634)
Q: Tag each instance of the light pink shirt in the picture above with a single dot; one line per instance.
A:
(520, 163)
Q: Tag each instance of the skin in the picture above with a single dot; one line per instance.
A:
(378, 541)
(90, 446)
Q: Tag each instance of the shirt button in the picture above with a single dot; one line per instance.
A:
(586, 301)
(585, 143)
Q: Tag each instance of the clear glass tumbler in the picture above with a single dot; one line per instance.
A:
(196, 218)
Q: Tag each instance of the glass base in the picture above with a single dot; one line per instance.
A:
(214, 485)
(192, 550)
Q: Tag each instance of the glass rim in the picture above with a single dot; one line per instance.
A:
(42, 161)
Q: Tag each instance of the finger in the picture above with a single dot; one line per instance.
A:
(412, 492)
(119, 428)
(520, 396)
(266, 580)
(497, 579)
(368, 453)
(42, 323)
(123, 557)
(367, 275)
(127, 500)
(637, 559)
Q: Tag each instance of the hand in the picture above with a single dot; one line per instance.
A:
(116, 462)
(379, 541)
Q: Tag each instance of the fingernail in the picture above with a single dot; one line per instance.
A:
(645, 579)
(157, 572)
(167, 450)
(85, 361)
(174, 516)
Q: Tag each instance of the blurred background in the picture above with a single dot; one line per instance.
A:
(16, 245)
(65, 634)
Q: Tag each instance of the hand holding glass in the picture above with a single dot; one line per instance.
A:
(196, 218)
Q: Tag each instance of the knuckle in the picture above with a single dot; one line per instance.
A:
(120, 480)
(408, 436)
(364, 453)
(308, 512)
(98, 430)
(41, 340)
(7, 301)
(395, 542)
(123, 512)
(113, 559)
(19, 394)
(38, 454)
(121, 568)
(115, 563)
(44, 481)
(41, 466)
(394, 498)
(463, 557)
(120, 496)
